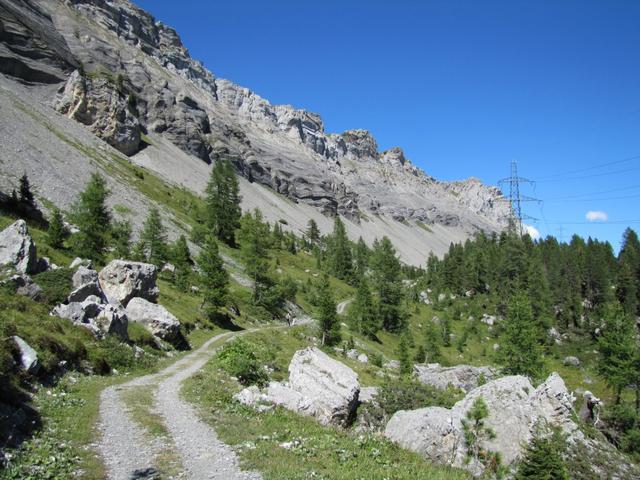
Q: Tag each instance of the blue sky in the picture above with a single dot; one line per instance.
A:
(464, 87)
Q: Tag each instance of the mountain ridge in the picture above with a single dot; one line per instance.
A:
(128, 77)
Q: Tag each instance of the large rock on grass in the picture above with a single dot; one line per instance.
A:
(157, 319)
(28, 356)
(26, 287)
(464, 377)
(84, 275)
(122, 280)
(318, 386)
(17, 249)
(515, 409)
(101, 319)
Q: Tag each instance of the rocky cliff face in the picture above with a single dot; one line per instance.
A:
(123, 74)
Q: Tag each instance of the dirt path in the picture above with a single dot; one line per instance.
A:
(131, 452)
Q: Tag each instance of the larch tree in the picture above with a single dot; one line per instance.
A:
(93, 219)
(327, 315)
(387, 284)
(153, 239)
(213, 277)
(57, 232)
(339, 252)
(222, 198)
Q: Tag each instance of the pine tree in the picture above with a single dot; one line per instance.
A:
(362, 315)
(327, 316)
(26, 196)
(404, 356)
(254, 237)
(312, 233)
(446, 330)
(475, 432)
(121, 235)
(542, 459)
(213, 277)
(361, 258)
(154, 239)
(223, 202)
(93, 219)
(617, 347)
(57, 232)
(387, 283)
(520, 351)
(181, 258)
(432, 339)
(340, 261)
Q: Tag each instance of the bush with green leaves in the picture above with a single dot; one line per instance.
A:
(543, 457)
(239, 360)
(56, 285)
(405, 393)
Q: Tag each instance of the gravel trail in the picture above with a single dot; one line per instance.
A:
(340, 308)
(129, 451)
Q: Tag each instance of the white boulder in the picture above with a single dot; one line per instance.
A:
(17, 249)
(28, 356)
(157, 319)
(122, 280)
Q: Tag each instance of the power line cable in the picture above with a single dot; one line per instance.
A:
(587, 169)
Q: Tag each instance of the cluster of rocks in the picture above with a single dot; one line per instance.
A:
(122, 291)
(515, 408)
(318, 386)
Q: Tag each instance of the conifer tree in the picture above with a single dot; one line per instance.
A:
(387, 283)
(362, 314)
(26, 196)
(446, 330)
(520, 351)
(340, 261)
(57, 232)
(617, 347)
(327, 316)
(404, 356)
(181, 258)
(312, 233)
(476, 432)
(223, 210)
(432, 339)
(121, 235)
(542, 459)
(213, 277)
(254, 237)
(361, 258)
(93, 219)
(154, 239)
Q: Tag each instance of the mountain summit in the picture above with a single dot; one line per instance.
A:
(127, 79)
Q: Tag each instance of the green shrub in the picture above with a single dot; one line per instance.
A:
(376, 359)
(239, 360)
(56, 285)
(405, 393)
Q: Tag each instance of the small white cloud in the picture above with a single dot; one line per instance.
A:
(597, 216)
(532, 231)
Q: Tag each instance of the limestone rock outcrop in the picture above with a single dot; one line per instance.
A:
(318, 386)
(17, 249)
(515, 408)
(122, 280)
(464, 377)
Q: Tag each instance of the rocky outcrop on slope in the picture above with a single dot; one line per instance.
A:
(105, 109)
(277, 146)
(318, 386)
(515, 409)
(157, 319)
(464, 377)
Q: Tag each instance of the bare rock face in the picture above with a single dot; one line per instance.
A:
(17, 249)
(515, 408)
(318, 386)
(98, 103)
(464, 377)
(157, 319)
(122, 280)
